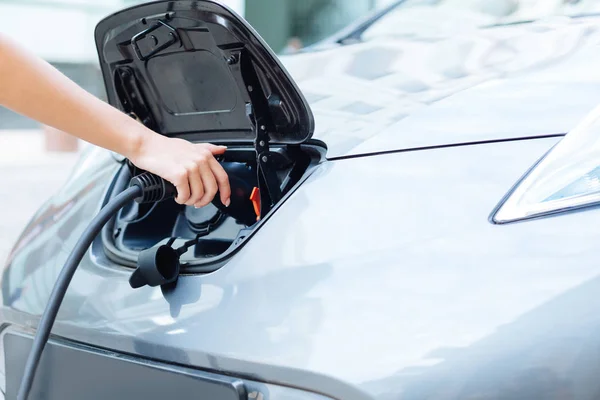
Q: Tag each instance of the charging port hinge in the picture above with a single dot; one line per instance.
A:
(268, 182)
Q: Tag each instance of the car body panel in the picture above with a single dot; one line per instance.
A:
(393, 93)
(108, 375)
(380, 277)
(406, 292)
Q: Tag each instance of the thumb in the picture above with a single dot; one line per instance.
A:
(216, 149)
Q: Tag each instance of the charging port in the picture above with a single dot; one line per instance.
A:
(139, 227)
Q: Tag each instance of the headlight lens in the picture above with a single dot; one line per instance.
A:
(567, 178)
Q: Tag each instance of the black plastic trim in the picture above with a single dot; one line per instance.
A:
(207, 52)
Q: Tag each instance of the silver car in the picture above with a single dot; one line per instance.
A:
(414, 214)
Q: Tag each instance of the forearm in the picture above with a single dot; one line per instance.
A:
(32, 87)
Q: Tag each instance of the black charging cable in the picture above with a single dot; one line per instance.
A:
(144, 188)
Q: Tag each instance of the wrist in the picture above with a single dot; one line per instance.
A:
(137, 141)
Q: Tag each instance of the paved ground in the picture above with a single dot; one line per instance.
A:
(28, 176)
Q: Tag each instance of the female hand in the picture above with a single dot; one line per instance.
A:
(32, 87)
(192, 168)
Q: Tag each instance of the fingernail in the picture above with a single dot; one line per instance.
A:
(228, 202)
(195, 206)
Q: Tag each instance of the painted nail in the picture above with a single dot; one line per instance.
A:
(228, 202)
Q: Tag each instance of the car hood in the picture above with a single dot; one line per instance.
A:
(400, 291)
(497, 83)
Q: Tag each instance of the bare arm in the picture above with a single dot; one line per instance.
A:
(32, 87)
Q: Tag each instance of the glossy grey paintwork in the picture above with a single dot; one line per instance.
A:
(466, 86)
(405, 292)
(255, 390)
(381, 277)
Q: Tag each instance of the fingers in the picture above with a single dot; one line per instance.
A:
(182, 185)
(216, 150)
(210, 185)
(222, 181)
(196, 185)
(198, 182)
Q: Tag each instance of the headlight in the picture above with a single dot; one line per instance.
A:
(567, 178)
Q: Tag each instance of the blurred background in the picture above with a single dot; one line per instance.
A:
(61, 31)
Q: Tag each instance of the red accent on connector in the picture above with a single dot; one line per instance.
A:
(255, 199)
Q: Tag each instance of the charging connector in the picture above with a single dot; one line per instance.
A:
(144, 188)
(154, 188)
